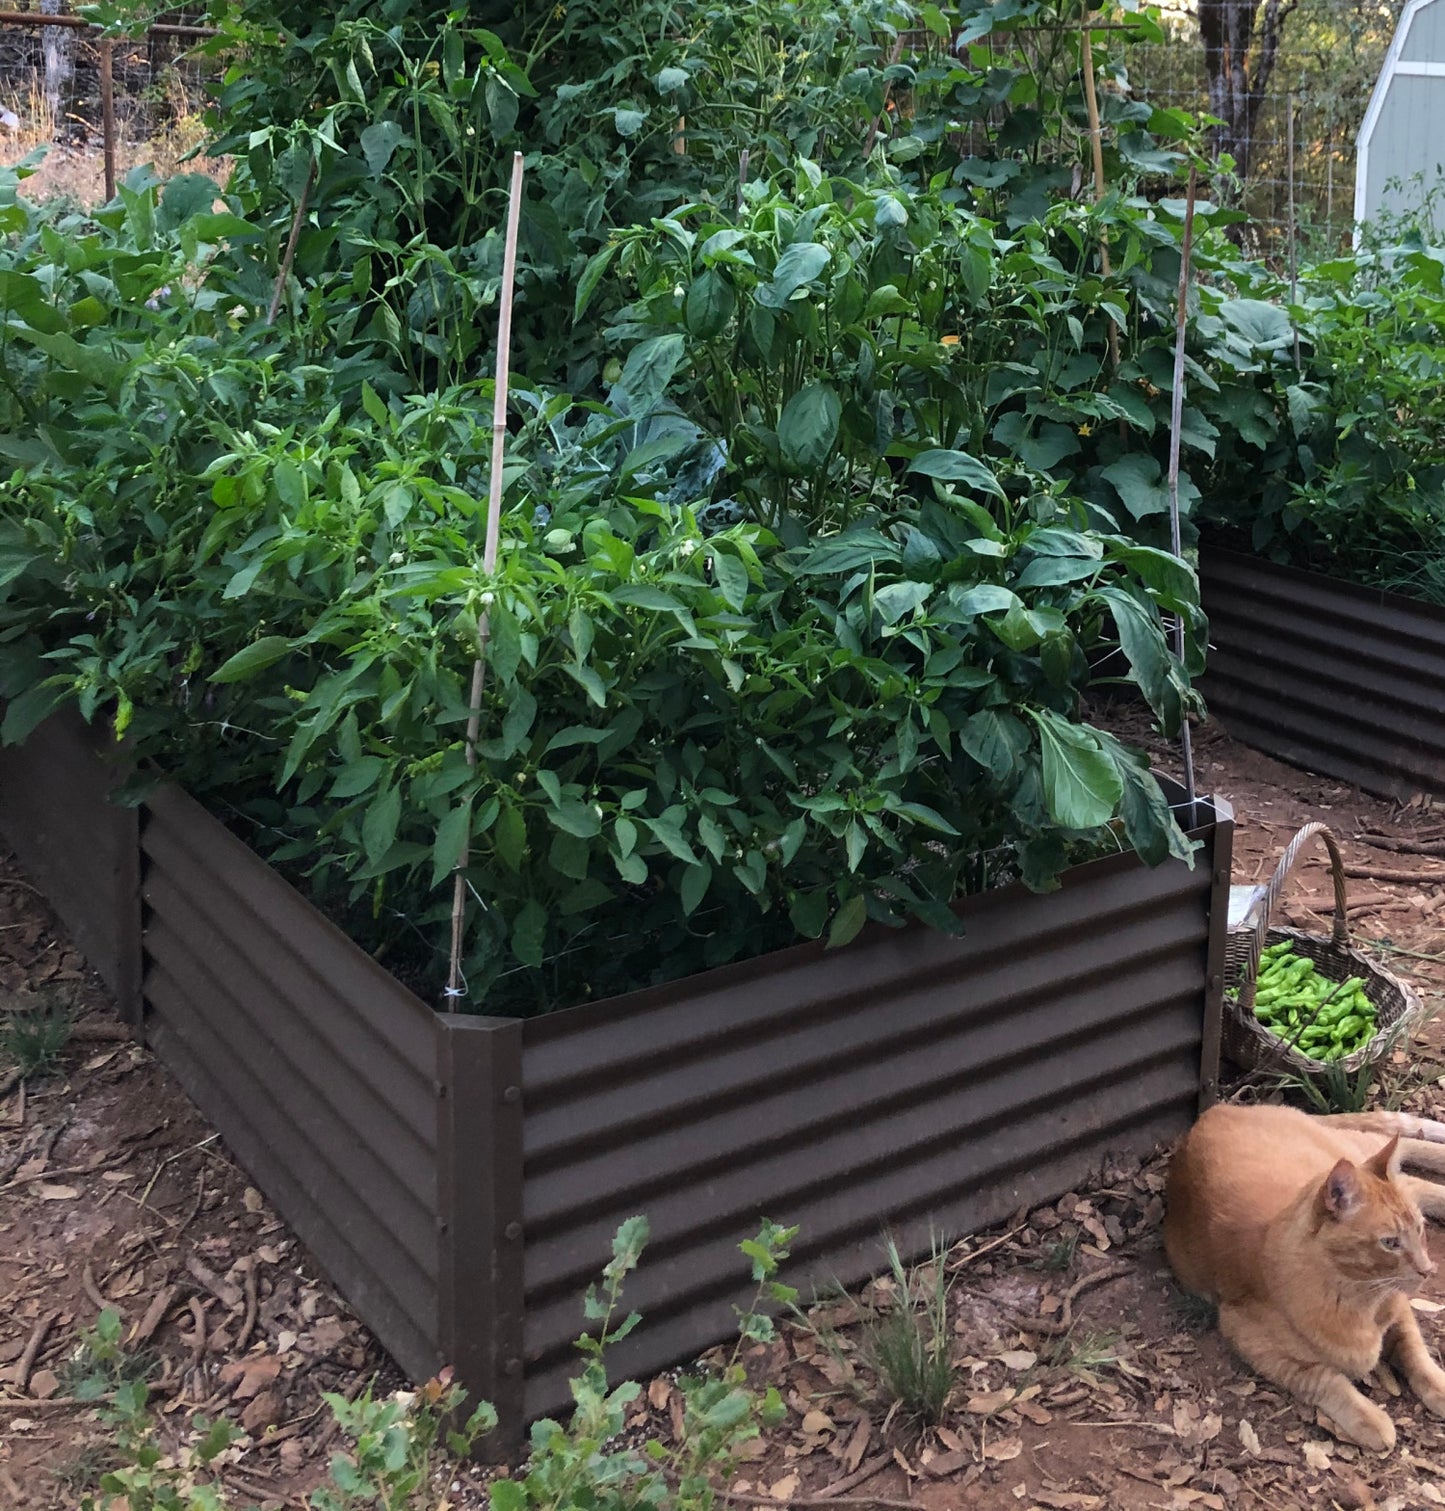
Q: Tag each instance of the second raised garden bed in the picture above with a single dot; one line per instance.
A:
(460, 1177)
(1345, 681)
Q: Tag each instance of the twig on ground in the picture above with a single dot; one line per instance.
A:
(1056, 1327)
(994, 1243)
(36, 1341)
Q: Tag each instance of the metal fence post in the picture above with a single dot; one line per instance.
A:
(1221, 867)
(479, 1187)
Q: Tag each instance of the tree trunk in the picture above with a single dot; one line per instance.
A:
(1237, 82)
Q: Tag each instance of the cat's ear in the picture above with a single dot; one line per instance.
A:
(1340, 1195)
(1386, 1163)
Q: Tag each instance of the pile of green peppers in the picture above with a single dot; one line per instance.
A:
(1323, 1019)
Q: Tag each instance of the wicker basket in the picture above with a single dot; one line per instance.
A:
(1245, 1040)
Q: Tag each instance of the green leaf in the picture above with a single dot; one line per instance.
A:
(447, 847)
(847, 922)
(510, 838)
(808, 428)
(670, 836)
(1082, 788)
(1261, 325)
(956, 467)
(994, 739)
(358, 776)
(710, 304)
(529, 933)
(588, 894)
(378, 142)
(32, 708)
(253, 658)
(808, 912)
(799, 265)
(378, 827)
(695, 882)
(517, 721)
(507, 1495)
(648, 370)
(628, 122)
(732, 579)
(1138, 483)
(591, 276)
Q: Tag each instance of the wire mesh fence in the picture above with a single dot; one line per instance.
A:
(1319, 80)
(1329, 55)
(51, 90)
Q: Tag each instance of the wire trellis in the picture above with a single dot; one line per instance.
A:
(1330, 54)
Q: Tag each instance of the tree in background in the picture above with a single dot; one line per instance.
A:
(1241, 46)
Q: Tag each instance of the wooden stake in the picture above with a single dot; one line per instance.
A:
(1293, 253)
(107, 114)
(1096, 138)
(289, 255)
(489, 553)
(1176, 429)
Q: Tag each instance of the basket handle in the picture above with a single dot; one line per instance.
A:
(1341, 933)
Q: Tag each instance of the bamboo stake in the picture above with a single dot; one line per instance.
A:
(1176, 428)
(489, 553)
(1096, 139)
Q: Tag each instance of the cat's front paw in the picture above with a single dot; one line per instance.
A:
(1366, 1424)
(1431, 1392)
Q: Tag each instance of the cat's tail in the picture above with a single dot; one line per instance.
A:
(1385, 1123)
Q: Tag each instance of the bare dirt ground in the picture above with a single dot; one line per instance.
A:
(1084, 1380)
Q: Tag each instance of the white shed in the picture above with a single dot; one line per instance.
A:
(1401, 154)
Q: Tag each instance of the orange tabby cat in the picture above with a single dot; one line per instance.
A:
(1310, 1240)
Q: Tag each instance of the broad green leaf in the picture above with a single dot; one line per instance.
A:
(32, 708)
(447, 848)
(808, 428)
(695, 882)
(378, 827)
(847, 922)
(956, 467)
(358, 776)
(253, 658)
(591, 276)
(529, 933)
(378, 142)
(648, 370)
(509, 835)
(710, 304)
(799, 265)
(1082, 788)
(1262, 325)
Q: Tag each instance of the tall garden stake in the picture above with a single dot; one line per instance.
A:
(1096, 138)
(489, 554)
(1176, 427)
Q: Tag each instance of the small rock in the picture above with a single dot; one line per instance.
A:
(43, 1384)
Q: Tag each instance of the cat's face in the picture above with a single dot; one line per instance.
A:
(1373, 1231)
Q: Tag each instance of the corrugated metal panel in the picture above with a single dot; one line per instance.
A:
(80, 849)
(316, 1066)
(911, 1080)
(1341, 680)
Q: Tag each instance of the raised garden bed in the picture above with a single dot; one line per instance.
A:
(1345, 681)
(460, 1177)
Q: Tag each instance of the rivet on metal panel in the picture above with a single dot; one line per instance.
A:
(513, 1230)
(512, 1094)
